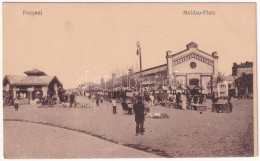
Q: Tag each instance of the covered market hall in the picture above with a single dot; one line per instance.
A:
(35, 85)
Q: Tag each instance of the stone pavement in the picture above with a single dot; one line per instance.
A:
(24, 140)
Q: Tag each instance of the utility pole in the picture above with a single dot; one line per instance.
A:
(138, 52)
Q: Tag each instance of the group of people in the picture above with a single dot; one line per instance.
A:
(184, 99)
(96, 97)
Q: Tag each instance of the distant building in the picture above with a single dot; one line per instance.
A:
(244, 78)
(239, 69)
(226, 88)
(35, 85)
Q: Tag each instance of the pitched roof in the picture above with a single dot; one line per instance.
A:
(155, 69)
(191, 45)
(34, 72)
(29, 80)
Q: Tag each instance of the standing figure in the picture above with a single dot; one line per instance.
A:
(125, 107)
(133, 99)
(101, 99)
(201, 99)
(174, 98)
(195, 99)
(183, 100)
(152, 99)
(72, 99)
(16, 104)
(97, 100)
(114, 105)
(146, 96)
(139, 116)
(178, 100)
(204, 98)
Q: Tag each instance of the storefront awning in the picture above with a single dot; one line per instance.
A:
(194, 87)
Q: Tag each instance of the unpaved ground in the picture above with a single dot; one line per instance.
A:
(184, 134)
(25, 140)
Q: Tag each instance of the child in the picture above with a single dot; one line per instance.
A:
(114, 105)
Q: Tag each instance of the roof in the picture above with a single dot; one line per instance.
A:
(29, 80)
(160, 68)
(243, 65)
(189, 46)
(35, 72)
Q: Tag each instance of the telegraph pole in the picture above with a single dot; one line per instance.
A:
(138, 52)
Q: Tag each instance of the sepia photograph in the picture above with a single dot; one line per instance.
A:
(129, 80)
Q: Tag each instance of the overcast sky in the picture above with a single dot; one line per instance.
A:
(72, 38)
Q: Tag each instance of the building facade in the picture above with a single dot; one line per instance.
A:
(239, 69)
(191, 69)
(26, 88)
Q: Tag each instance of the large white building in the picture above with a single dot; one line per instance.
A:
(191, 69)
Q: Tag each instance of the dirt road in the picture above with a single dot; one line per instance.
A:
(31, 140)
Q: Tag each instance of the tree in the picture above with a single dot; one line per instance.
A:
(215, 81)
(243, 85)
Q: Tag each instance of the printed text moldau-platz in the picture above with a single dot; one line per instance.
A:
(202, 12)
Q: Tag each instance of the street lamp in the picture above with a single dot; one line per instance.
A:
(138, 52)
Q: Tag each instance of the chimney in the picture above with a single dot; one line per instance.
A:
(169, 52)
(192, 45)
(215, 55)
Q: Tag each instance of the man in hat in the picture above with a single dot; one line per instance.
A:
(139, 116)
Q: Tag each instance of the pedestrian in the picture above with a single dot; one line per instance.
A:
(72, 99)
(101, 99)
(114, 105)
(174, 98)
(152, 99)
(183, 100)
(159, 99)
(97, 100)
(178, 100)
(139, 116)
(93, 97)
(125, 107)
(201, 99)
(16, 104)
(204, 98)
(146, 96)
(133, 99)
(195, 99)
(230, 105)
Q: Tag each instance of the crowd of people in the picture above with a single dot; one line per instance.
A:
(137, 104)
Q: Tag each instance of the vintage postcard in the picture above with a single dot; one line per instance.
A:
(129, 80)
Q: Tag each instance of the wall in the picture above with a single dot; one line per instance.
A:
(184, 67)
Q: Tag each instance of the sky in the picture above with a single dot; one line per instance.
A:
(71, 39)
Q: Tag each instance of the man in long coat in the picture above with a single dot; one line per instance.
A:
(139, 116)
